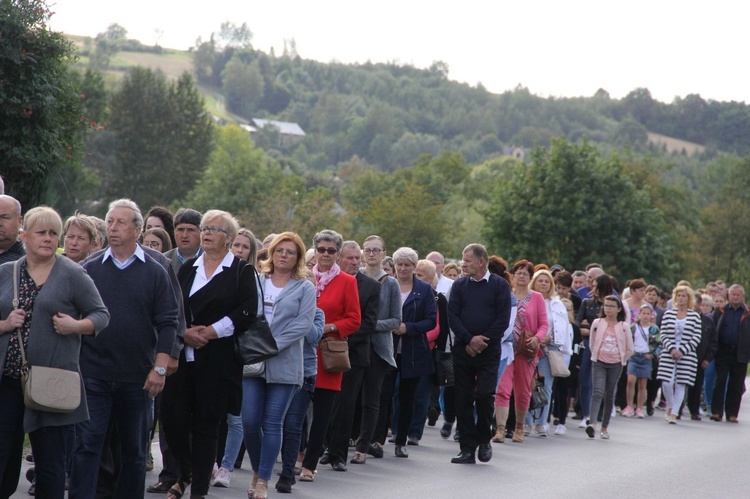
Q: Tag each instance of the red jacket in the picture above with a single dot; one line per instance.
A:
(340, 302)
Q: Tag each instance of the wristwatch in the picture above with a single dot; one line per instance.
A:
(161, 371)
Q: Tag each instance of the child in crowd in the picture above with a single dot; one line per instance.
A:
(646, 346)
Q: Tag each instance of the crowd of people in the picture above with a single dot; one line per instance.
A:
(145, 308)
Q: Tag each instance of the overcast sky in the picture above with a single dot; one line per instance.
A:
(555, 48)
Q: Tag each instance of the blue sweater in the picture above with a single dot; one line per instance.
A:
(479, 308)
(143, 320)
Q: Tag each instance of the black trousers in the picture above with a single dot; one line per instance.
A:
(560, 399)
(343, 414)
(323, 401)
(728, 368)
(694, 393)
(476, 382)
(192, 439)
(384, 413)
(370, 400)
(407, 395)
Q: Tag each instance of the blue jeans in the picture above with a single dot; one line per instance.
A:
(546, 371)
(234, 441)
(129, 404)
(421, 406)
(264, 407)
(585, 380)
(709, 382)
(295, 419)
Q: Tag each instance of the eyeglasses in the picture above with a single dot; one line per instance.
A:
(212, 229)
(330, 251)
(284, 251)
(610, 306)
(310, 265)
(522, 274)
(373, 251)
(152, 244)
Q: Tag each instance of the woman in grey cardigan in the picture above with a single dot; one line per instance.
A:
(58, 303)
(289, 302)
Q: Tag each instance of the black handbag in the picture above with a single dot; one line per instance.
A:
(538, 397)
(444, 375)
(256, 343)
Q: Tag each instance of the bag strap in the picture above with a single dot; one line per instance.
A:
(16, 305)
(258, 286)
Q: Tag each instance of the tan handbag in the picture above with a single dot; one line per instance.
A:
(334, 355)
(46, 389)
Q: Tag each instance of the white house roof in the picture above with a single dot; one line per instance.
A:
(285, 128)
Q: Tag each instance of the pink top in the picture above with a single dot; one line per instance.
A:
(622, 336)
(433, 334)
(608, 349)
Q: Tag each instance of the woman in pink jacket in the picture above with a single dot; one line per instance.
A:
(517, 378)
(611, 346)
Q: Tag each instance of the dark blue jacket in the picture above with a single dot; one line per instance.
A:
(419, 314)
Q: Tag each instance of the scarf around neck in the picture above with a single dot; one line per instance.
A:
(322, 279)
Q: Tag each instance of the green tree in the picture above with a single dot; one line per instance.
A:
(243, 87)
(163, 138)
(573, 206)
(40, 107)
(726, 224)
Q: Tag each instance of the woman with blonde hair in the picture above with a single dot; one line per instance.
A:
(680, 336)
(559, 338)
(57, 304)
(289, 303)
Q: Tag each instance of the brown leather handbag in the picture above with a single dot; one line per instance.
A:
(334, 355)
(525, 345)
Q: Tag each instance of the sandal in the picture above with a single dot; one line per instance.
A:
(306, 475)
(176, 492)
(261, 495)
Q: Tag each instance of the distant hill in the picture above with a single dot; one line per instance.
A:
(389, 114)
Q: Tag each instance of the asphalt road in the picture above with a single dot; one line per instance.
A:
(644, 458)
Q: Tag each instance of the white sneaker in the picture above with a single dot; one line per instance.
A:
(560, 430)
(540, 430)
(223, 478)
(583, 422)
(215, 471)
(527, 430)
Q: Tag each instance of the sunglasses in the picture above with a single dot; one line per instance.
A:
(330, 251)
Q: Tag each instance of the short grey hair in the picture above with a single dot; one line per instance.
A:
(407, 254)
(478, 250)
(352, 245)
(330, 236)
(232, 225)
(736, 286)
(130, 204)
(437, 254)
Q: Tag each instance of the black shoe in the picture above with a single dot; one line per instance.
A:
(375, 451)
(577, 416)
(325, 458)
(159, 487)
(484, 453)
(284, 485)
(338, 465)
(401, 451)
(432, 416)
(445, 431)
(456, 436)
(31, 474)
(465, 457)
(650, 410)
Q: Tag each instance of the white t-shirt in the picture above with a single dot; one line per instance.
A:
(270, 295)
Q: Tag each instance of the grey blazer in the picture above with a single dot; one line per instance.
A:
(293, 314)
(389, 318)
(69, 290)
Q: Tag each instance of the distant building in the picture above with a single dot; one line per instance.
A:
(516, 152)
(289, 133)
